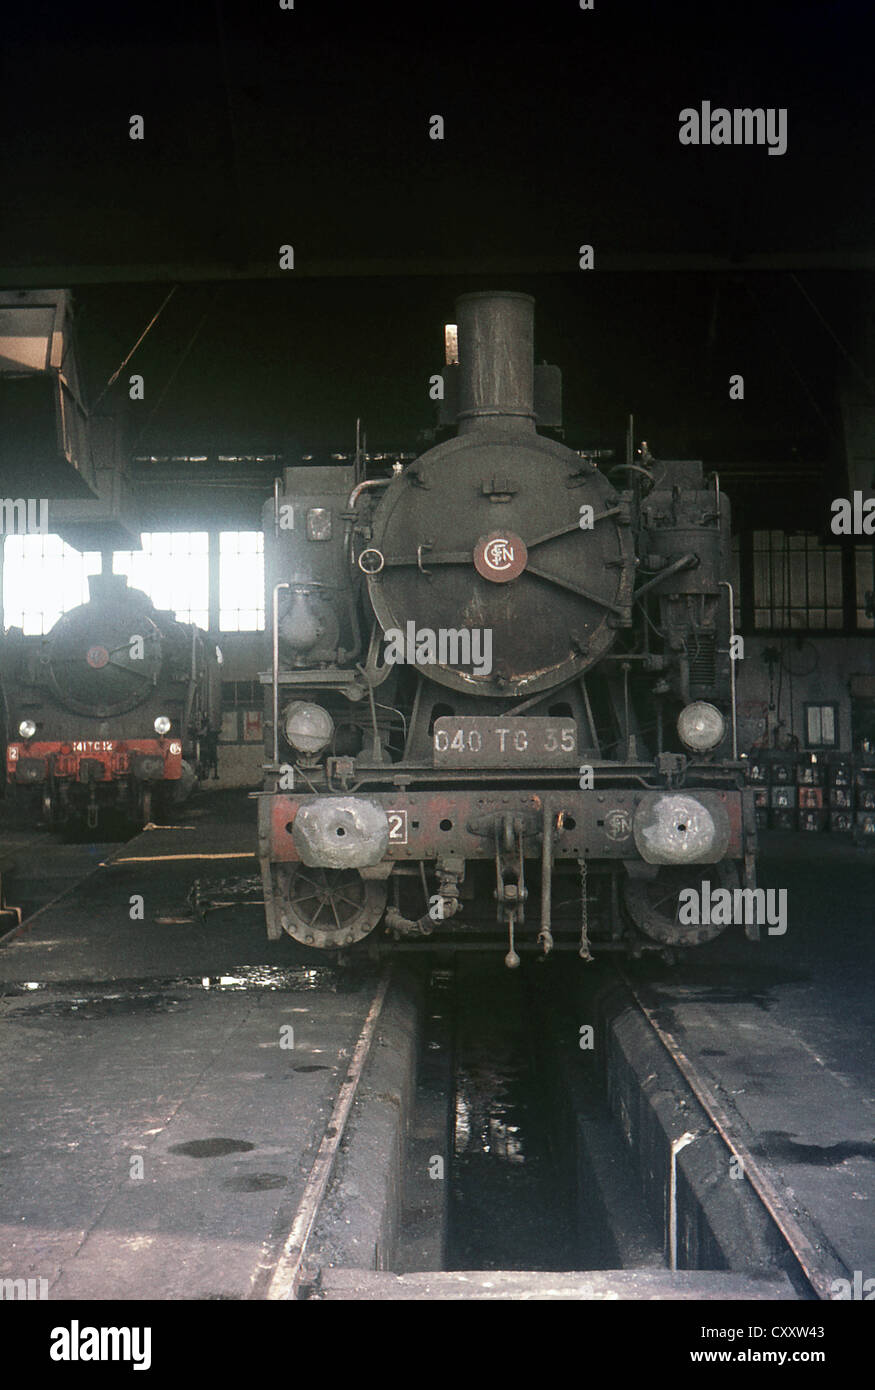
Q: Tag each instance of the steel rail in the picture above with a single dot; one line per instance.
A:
(792, 1234)
(289, 1269)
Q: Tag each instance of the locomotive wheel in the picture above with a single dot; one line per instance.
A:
(328, 908)
(652, 903)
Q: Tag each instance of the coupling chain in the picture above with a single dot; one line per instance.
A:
(584, 952)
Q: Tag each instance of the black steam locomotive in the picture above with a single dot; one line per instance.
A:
(500, 673)
(116, 709)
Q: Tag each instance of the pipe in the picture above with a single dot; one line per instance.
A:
(421, 926)
(275, 672)
(631, 749)
(496, 360)
(185, 731)
(360, 488)
(684, 563)
(725, 583)
(545, 935)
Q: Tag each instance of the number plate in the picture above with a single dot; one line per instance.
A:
(475, 741)
(90, 745)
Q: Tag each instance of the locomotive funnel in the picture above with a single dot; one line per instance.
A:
(108, 588)
(496, 361)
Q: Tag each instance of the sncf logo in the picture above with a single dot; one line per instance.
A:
(500, 557)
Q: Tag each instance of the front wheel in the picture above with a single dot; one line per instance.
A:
(328, 908)
(652, 903)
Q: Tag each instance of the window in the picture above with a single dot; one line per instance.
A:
(821, 725)
(864, 569)
(241, 581)
(797, 582)
(241, 694)
(173, 569)
(43, 577)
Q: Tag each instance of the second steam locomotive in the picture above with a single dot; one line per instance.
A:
(113, 710)
(501, 696)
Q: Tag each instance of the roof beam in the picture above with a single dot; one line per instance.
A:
(621, 262)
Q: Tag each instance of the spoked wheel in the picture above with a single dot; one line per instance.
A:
(652, 903)
(328, 907)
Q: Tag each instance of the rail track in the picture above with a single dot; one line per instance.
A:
(492, 1136)
(288, 1272)
(811, 1263)
(563, 1172)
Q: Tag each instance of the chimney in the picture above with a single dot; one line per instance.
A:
(496, 361)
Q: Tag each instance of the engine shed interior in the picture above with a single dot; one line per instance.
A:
(437, 525)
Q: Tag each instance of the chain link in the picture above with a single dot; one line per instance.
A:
(584, 952)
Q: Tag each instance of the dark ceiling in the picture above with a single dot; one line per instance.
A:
(309, 126)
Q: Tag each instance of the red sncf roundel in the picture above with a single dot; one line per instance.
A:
(500, 557)
(97, 657)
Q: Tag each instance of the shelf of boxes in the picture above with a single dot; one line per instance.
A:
(815, 792)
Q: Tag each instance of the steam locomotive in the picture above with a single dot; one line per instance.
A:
(113, 710)
(501, 683)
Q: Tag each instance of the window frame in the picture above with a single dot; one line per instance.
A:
(808, 707)
(751, 606)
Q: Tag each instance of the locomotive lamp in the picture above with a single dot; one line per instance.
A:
(701, 726)
(308, 727)
(162, 725)
(26, 728)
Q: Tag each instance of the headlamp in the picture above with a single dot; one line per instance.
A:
(701, 726)
(308, 727)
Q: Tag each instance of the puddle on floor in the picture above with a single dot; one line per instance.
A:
(211, 1148)
(139, 995)
(779, 1145)
(102, 1006)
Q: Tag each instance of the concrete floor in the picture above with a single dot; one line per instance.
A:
(157, 1126)
(782, 1032)
(156, 1134)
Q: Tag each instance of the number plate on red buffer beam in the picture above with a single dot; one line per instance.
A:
(481, 741)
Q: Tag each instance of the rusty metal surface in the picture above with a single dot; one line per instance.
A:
(426, 825)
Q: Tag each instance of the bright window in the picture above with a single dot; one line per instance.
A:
(173, 569)
(821, 725)
(241, 581)
(43, 577)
